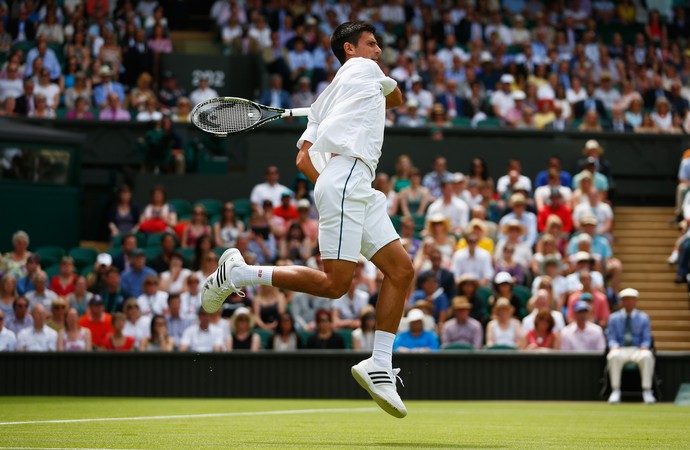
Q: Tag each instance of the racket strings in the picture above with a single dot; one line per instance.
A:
(228, 117)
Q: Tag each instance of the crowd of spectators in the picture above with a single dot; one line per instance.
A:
(517, 261)
(583, 65)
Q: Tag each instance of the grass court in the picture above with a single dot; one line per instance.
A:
(133, 423)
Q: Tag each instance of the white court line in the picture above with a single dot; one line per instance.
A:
(194, 416)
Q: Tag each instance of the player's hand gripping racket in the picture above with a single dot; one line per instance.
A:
(231, 115)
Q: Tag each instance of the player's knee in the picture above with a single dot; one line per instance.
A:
(337, 288)
(405, 273)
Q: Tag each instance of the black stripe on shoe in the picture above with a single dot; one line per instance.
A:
(378, 372)
(382, 382)
(380, 377)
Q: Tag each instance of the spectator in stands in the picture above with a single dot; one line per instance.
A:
(450, 206)
(80, 90)
(133, 278)
(347, 309)
(112, 294)
(323, 337)
(25, 103)
(434, 179)
(618, 123)
(80, 110)
(542, 301)
(41, 294)
(8, 340)
(97, 321)
(629, 340)
(113, 111)
(198, 226)
(137, 57)
(276, 96)
(527, 219)
(304, 308)
(159, 43)
(8, 293)
(363, 337)
(47, 55)
(542, 336)
(268, 304)
(462, 329)
(22, 28)
(63, 283)
(473, 260)
(504, 329)
(11, 85)
(270, 189)
(228, 228)
(14, 262)
(582, 335)
(285, 337)
(661, 116)
(514, 233)
(39, 337)
(202, 337)
(108, 88)
(430, 291)
(117, 340)
(170, 92)
(591, 122)
(416, 339)
(151, 112)
(123, 216)
(303, 97)
(557, 206)
(159, 340)
(20, 318)
(242, 325)
(513, 176)
(174, 280)
(203, 92)
(159, 215)
(588, 292)
(79, 298)
(58, 311)
(138, 99)
(594, 206)
(74, 338)
(179, 316)
(51, 91)
(152, 300)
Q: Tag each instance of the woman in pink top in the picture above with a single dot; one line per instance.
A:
(197, 227)
(542, 336)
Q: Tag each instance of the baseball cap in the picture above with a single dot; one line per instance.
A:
(585, 296)
(555, 192)
(137, 252)
(581, 306)
(104, 259)
(582, 256)
(96, 300)
(507, 78)
(414, 315)
(303, 204)
(286, 193)
(503, 277)
(518, 94)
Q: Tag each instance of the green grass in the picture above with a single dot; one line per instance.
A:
(429, 425)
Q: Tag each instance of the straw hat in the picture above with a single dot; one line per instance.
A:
(461, 302)
(242, 311)
(592, 144)
(512, 224)
(502, 303)
(439, 218)
(477, 223)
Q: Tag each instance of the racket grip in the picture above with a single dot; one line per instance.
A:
(296, 112)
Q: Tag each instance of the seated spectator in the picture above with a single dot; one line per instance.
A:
(346, 309)
(440, 235)
(137, 325)
(513, 176)
(542, 336)
(8, 293)
(502, 100)
(473, 260)
(63, 283)
(158, 216)
(415, 198)
(601, 247)
(583, 260)
(557, 206)
(303, 96)
(589, 105)
(151, 111)
(159, 340)
(21, 318)
(41, 109)
(504, 328)
(152, 300)
(507, 264)
(97, 321)
(198, 226)
(543, 302)
(285, 337)
(183, 110)
(8, 340)
(276, 96)
(629, 340)
(514, 232)
(286, 210)
(80, 90)
(14, 262)
(117, 340)
(203, 92)
(123, 216)
(296, 247)
(416, 339)
(162, 262)
(176, 321)
(430, 291)
(595, 151)
(518, 203)
(242, 336)
(503, 287)
(202, 337)
(468, 286)
(323, 337)
(41, 294)
(269, 303)
(159, 43)
(58, 311)
(174, 280)
(73, 337)
(112, 294)
(634, 114)
(542, 195)
(594, 207)
(50, 91)
(618, 123)
(462, 329)
(433, 180)
(480, 228)
(228, 228)
(39, 337)
(25, 102)
(647, 125)
(132, 280)
(591, 122)
(26, 283)
(363, 337)
(600, 304)
(111, 91)
(411, 117)
(80, 111)
(582, 335)
(162, 148)
(112, 111)
(662, 116)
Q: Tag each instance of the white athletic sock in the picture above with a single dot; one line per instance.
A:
(252, 275)
(383, 349)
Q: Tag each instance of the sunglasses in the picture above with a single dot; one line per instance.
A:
(243, 319)
(193, 282)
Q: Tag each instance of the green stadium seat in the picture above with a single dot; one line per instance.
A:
(462, 122)
(116, 241)
(524, 294)
(213, 206)
(346, 334)
(243, 207)
(490, 122)
(188, 254)
(86, 271)
(214, 219)
(83, 256)
(419, 222)
(396, 222)
(501, 347)
(304, 336)
(219, 250)
(50, 254)
(151, 253)
(182, 207)
(154, 240)
(458, 347)
(52, 270)
(264, 335)
(114, 251)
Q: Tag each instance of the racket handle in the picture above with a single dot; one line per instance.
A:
(296, 112)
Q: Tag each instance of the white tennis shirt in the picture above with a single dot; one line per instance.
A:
(349, 116)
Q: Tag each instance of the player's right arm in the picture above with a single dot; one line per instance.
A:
(304, 163)
(394, 99)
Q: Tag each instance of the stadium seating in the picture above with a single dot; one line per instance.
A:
(213, 206)
(83, 256)
(50, 255)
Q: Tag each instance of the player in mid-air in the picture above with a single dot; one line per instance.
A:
(344, 135)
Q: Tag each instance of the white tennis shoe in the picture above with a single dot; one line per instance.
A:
(648, 397)
(615, 396)
(380, 382)
(218, 286)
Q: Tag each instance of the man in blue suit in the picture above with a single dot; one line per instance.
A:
(451, 101)
(630, 339)
(100, 92)
(276, 96)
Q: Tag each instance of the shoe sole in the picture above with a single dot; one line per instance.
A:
(382, 402)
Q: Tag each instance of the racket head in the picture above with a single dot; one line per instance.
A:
(223, 116)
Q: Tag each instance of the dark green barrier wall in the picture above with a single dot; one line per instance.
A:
(442, 376)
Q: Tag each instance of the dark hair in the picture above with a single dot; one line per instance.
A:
(154, 333)
(485, 169)
(424, 277)
(172, 297)
(322, 312)
(546, 317)
(348, 32)
(279, 328)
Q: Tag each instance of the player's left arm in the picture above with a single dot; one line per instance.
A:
(304, 163)
(394, 99)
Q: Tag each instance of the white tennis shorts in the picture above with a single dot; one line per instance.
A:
(353, 218)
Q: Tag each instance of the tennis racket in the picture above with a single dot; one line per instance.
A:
(223, 116)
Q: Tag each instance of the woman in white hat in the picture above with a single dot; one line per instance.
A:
(242, 336)
(438, 229)
(503, 288)
(514, 230)
(506, 263)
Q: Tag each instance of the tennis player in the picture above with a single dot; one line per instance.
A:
(339, 152)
